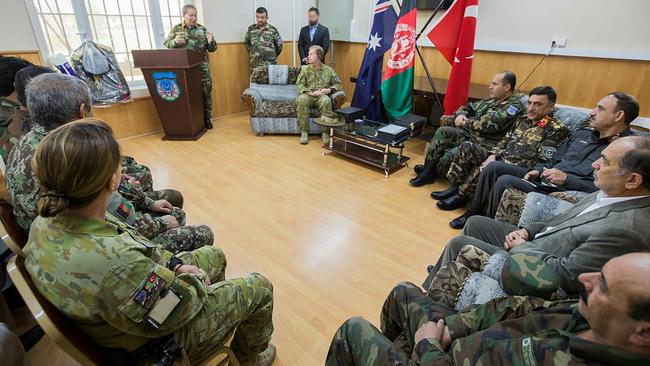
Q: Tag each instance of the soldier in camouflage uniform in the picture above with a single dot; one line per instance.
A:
(315, 84)
(9, 66)
(484, 122)
(191, 35)
(533, 139)
(111, 281)
(157, 220)
(608, 326)
(263, 41)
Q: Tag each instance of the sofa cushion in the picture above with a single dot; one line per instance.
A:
(278, 74)
(279, 109)
(260, 75)
(539, 207)
(279, 93)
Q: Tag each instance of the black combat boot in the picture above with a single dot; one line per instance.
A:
(426, 176)
(441, 195)
(452, 203)
(208, 123)
(418, 168)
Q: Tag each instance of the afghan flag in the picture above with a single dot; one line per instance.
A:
(397, 82)
(454, 37)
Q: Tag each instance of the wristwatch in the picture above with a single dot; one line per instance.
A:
(173, 263)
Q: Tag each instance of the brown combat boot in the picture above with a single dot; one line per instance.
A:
(264, 358)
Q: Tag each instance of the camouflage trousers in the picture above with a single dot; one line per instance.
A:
(357, 342)
(444, 147)
(142, 174)
(240, 305)
(304, 103)
(465, 168)
(206, 87)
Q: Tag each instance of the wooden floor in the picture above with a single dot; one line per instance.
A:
(333, 236)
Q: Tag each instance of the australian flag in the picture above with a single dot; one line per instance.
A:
(366, 92)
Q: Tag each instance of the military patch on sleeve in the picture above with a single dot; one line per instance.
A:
(548, 151)
(150, 291)
(512, 110)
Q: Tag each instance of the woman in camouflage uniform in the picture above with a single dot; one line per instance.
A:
(191, 35)
(128, 295)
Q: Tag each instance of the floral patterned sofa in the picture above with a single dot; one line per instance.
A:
(271, 100)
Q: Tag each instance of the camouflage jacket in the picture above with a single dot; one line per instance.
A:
(530, 143)
(195, 39)
(25, 192)
(489, 119)
(18, 124)
(105, 277)
(20, 178)
(263, 44)
(312, 79)
(521, 331)
(7, 108)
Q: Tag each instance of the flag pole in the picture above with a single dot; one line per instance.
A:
(424, 64)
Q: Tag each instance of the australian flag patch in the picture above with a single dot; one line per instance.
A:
(150, 291)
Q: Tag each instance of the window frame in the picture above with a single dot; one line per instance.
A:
(83, 20)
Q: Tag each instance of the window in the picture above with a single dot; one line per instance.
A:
(123, 25)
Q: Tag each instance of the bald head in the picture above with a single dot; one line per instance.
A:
(628, 276)
(624, 167)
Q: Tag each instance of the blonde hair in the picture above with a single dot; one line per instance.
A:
(74, 164)
(319, 51)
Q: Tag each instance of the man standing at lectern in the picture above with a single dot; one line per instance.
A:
(191, 35)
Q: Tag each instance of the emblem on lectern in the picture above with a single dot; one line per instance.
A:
(166, 85)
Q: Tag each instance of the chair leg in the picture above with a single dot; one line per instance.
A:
(230, 358)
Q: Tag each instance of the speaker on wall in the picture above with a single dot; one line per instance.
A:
(433, 4)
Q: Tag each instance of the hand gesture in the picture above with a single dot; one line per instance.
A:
(555, 176)
(171, 221)
(162, 206)
(487, 161)
(210, 37)
(179, 40)
(460, 121)
(515, 238)
(532, 175)
(200, 274)
(430, 330)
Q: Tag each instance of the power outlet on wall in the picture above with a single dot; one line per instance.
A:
(558, 42)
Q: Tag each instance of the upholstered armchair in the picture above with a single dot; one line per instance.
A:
(271, 100)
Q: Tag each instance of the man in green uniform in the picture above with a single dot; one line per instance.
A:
(9, 66)
(610, 325)
(315, 84)
(191, 35)
(534, 139)
(263, 41)
(56, 99)
(484, 122)
(18, 123)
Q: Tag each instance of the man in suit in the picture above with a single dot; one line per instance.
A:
(605, 224)
(314, 34)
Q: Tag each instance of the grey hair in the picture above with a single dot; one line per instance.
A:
(319, 51)
(187, 8)
(54, 99)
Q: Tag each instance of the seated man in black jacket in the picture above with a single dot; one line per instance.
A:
(571, 169)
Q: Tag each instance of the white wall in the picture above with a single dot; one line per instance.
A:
(17, 33)
(598, 28)
(229, 19)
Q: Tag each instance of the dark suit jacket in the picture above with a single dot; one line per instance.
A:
(577, 244)
(321, 38)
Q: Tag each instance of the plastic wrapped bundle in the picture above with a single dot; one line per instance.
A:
(97, 66)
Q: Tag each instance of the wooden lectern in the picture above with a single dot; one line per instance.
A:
(173, 77)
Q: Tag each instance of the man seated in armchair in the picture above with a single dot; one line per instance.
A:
(545, 259)
(315, 83)
(608, 325)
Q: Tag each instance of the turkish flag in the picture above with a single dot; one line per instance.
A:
(454, 37)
